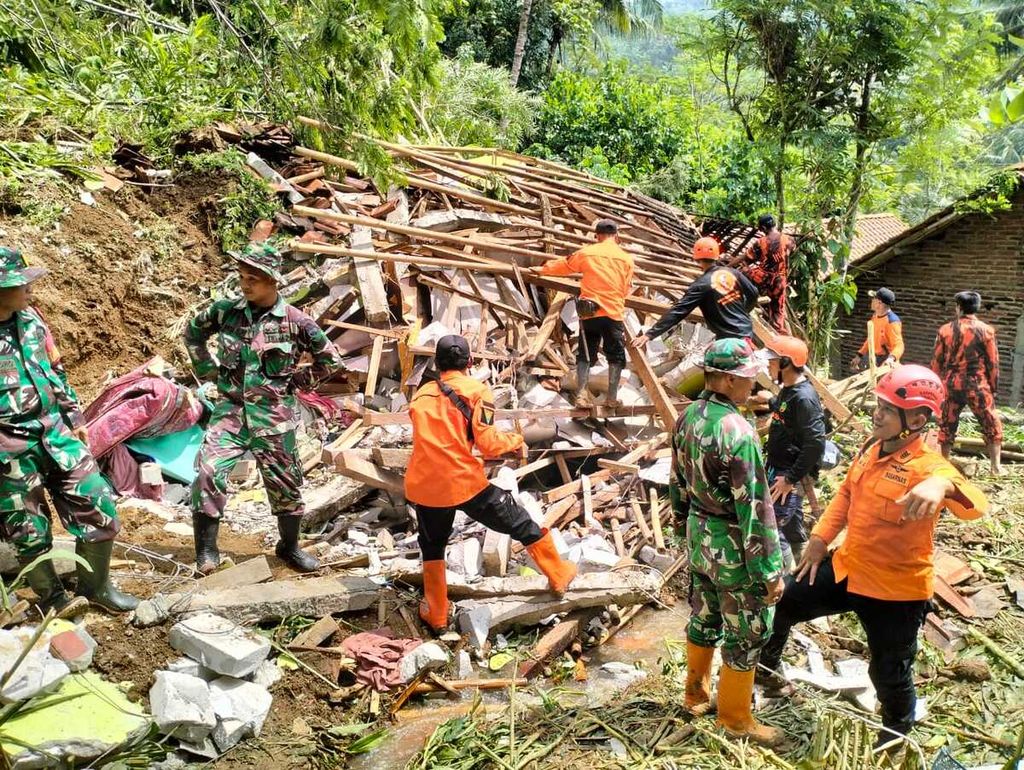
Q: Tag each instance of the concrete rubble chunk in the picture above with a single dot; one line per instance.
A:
(660, 561)
(241, 708)
(38, 673)
(192, 668)
(75, 647)
(219, 644)
(267, 675)
(476, 622)
(427, 657)
(181, 706)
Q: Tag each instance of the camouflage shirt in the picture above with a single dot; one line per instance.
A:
(37, 404)
(257, 360)
(719, 483)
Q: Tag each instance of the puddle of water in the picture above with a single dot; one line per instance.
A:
(643, 642)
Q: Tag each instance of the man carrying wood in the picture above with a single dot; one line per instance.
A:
(724, 295)
(451, 415)
(796, 438)
(966, 357)
(44, 448)
(719, 483)
(766, 264)
(888, 330)
(883, 572)
(260, 340)
(607, 277)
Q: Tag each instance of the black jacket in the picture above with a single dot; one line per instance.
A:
(796, 439)
(725, 297)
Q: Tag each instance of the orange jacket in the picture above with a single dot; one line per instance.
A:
(888, 336)
(443, 471)
(607, 271)
(882, 556)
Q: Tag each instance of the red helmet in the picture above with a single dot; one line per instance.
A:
(912, 386)
(793, 348)
(706, 248)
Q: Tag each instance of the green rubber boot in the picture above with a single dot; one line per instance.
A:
(96, 586)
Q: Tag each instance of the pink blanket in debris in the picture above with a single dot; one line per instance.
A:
(142, 403)
(377, 655)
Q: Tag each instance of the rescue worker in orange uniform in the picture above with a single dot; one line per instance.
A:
(888, 330)
(450, 416)
(967, 359)
(767, 266)
(883, 572)
(607, 277)
(724, 295)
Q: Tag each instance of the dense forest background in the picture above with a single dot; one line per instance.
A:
(816, 111)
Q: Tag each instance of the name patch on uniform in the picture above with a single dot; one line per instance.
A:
(276, 333)
(8, 365)
(893, 474)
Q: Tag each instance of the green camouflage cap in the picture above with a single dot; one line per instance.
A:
(734, 356)
(263, 257)
(14, 270)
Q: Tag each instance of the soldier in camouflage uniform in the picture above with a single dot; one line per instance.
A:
(43, 449)
(260, 340)
(719, 484)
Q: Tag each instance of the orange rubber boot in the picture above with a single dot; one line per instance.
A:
(735, 689)
(434, 607)
(560, 573)
(698, 678)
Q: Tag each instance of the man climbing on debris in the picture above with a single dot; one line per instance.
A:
(719, 484)
(260, 340)
(796, 439)
(44, 448)
(966, 357)
(888, 330)
(607, 277)
(883, 572)
(724, 295)
(766, 264)
(451, 415)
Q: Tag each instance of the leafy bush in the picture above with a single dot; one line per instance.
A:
(633, 123)
(474, 104)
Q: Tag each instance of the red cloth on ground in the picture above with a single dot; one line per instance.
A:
(377, 655)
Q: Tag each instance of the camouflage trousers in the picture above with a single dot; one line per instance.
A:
(979, 399)
(82, 497)
(277, 458)
(741, 612)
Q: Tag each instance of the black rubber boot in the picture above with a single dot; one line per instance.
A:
(582, 378)
(204, 530)
(96, 586)
(288, 550)
(614, 377)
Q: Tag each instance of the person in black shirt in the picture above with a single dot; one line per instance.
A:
(796, 439)
(724, 295)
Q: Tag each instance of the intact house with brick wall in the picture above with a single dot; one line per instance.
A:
(928, 264)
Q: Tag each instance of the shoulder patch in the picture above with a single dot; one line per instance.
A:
(893, 318)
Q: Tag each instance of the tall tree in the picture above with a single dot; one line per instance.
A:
(520, 49)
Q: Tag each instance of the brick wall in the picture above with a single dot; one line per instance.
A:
(980, 252)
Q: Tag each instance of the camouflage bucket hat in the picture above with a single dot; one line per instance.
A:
(263, 257)
(14, 270)
(734, 356)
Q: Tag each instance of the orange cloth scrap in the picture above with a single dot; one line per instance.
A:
(883, 556)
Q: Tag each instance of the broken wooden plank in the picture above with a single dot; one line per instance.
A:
(659, 535)
(368, 473)
(373, 371)
(250, 572)
(552, 644)
(316, 634)
(372, 294)
(574, 487)
(641, 520)
(667, 412)
(953, 598)
(551, 320)
(325, 502)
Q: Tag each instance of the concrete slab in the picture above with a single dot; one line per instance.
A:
(219, 644)
(181, 706)
(241, 708)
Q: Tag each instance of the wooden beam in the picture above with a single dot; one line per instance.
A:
(552, 644)
(373, 371)
(372, 295)
(547, 326)
(368, 473)
(667, 412)
(659, 535)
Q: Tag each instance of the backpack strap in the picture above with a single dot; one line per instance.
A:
(459, 403)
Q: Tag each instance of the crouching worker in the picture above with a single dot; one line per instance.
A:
(43, 448)
(719, 483)
(883, 572)
(451, 415)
